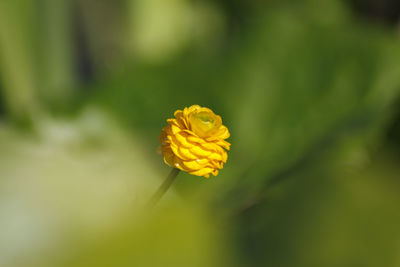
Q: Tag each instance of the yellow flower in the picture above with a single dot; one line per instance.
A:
(194, 141)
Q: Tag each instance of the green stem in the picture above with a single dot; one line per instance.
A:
(164, 187)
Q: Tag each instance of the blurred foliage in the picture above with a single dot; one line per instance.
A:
(309, 91)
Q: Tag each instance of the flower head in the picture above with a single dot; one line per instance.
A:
(194, 141)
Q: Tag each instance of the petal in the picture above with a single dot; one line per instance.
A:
(163, 138)
(175, 129)
(179, 123)
(180, 118)
(166, 148)
(194, 108)
(193, 164)
(188, 111)
(178, 163)
(182, 139)
(203, 172)
(199, 151)
(186, 154)
(201, 109)
(172, 122)
(215, 156)
(182, 153)
(178, 113)
(191, 133)
(169, 158)
(220, 150)
(196, 139)
(224, 156)
(167, 130)
(217, 164)
(210, 146)
(224, 144)
(174, 149)
(202, 161)
(224, 132)
(186, 114)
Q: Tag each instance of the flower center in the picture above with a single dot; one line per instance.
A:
(204, 123)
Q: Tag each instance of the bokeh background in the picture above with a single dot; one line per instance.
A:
(309, 89)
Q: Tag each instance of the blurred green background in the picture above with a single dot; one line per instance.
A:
(309, 89)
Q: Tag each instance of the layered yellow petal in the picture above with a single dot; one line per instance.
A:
(224, 144)
(194, 164)
(175, 129)
(197, 150)
(203, 172)
(182, 139)
(180, 118)
(195, 139)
